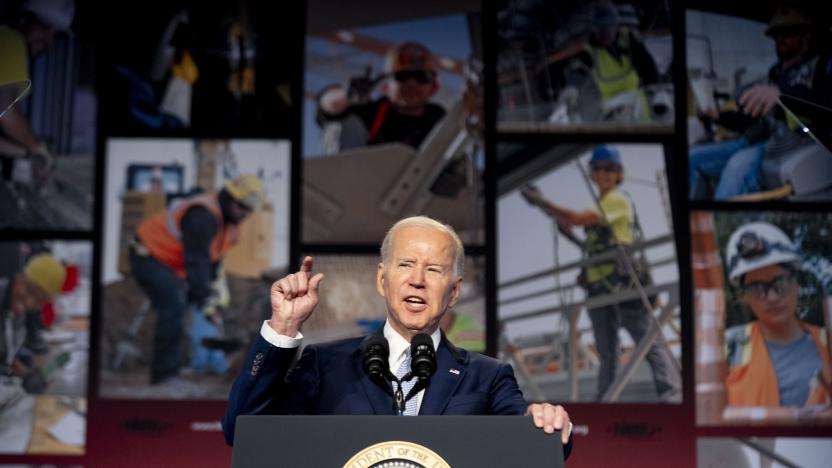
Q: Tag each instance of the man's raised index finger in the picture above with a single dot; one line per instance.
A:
(306, 266)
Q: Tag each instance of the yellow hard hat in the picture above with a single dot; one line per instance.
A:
(410, 56)
(788, 17)
(247, 190)
(46, 272)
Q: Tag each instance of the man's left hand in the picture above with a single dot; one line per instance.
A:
(551, 418)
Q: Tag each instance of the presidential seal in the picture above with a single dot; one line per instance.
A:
(396, 454)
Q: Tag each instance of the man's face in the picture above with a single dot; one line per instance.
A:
(771, 292)
(411, 89)
(238, 212)
(26, 296)
(418, 282)
(606, 35)
(605, 175)
(39, 37)
(790, 43)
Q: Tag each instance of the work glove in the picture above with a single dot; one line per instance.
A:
(533, 196)
(34, 381)
(361, 86)
(205, 360)
(219, 288)
(41, 158)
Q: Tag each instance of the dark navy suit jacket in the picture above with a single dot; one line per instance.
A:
(328, 379)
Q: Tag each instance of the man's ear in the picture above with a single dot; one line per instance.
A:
(380, 279)
(456, 291)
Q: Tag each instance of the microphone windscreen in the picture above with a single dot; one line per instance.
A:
(420, 339)
(375, 350)
(375, 340)
(422, 356)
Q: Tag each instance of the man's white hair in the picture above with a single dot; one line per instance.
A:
(429, 223)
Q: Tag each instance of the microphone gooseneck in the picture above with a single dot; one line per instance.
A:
(375, 354)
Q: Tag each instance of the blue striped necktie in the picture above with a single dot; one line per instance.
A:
(410, 405)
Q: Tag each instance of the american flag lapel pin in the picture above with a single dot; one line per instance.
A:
(454, 371)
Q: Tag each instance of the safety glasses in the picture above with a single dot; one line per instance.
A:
(606, 167)
(787, 32)
(759, 289)
(421, 76)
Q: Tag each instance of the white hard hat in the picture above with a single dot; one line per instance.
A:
(757, 245)
(55, 13)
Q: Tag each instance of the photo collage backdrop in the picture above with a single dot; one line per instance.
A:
(641, 186)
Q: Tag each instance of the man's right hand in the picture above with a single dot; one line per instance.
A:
(759, 99)
(334, 100)
(293, 298)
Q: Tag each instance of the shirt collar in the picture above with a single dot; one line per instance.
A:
(398, 344)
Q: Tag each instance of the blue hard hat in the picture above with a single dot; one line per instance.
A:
(606, 153)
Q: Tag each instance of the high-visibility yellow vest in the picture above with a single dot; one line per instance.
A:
(616, 75)
(14, 65)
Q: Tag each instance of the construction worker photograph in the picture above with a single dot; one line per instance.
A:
(779, 120)
(610, 225)
(175, 258)
(387, 96)
(390, 79)
(24, 294)
(584, 65)
(778, 359)
(25, 156)
(44, 344)
(40, 21)
(210, 67)
(404, 113)
(620, 66)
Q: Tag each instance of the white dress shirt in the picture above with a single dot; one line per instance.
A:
(398, 347)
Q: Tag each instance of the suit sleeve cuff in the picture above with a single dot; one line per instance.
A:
(276, 339)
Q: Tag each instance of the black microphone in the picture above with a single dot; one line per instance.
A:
(422, 362)
(376, 351)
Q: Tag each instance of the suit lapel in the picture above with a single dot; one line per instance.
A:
(451, 364)
(381, 402)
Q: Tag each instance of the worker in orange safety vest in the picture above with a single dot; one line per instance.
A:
(175, 258)
(778, 359)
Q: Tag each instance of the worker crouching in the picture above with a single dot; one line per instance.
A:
(176, 257)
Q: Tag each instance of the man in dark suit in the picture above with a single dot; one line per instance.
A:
(420, 277)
